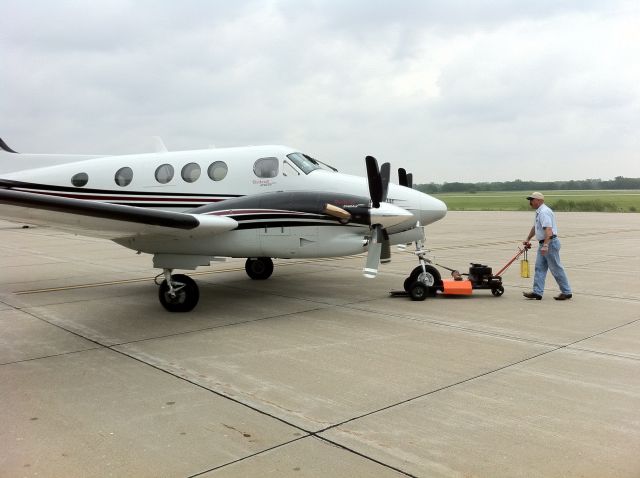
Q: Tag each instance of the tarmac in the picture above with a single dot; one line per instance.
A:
(318, 371)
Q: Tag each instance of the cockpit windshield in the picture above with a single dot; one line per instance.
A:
(307, 164)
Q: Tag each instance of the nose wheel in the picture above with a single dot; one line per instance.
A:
(178, 293)
(425, 279)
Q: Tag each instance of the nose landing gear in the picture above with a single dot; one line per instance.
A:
(424, 280)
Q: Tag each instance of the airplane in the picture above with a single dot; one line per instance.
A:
(189, 208)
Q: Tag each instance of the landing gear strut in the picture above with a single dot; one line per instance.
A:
(178, 293)
(259, 268)
(425, 279)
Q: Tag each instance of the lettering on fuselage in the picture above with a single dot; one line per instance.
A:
(263, 182)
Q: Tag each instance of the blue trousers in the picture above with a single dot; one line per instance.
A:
(550, 262)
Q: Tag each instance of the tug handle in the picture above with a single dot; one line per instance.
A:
(519, 253)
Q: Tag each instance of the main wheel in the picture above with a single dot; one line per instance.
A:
(259, 268)
(418, 291)
(498, 291)
(185, 297)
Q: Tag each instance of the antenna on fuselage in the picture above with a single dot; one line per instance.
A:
(158, 145)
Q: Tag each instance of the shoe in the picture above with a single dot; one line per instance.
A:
(532, 295)
(563, 297)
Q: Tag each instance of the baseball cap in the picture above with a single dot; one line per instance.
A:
(535, 195)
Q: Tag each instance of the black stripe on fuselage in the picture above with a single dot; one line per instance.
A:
(313, 202)
(44, 188)
(286, 223)
(143, 204)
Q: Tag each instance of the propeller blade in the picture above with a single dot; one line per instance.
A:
(385, 176)
(385, 257)
(375, 181)
(409, 180)
(375, 250)
(336, 211)
(402, 177)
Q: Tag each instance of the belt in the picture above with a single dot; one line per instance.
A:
(552, 237)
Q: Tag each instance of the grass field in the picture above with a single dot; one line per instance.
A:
(584, 201)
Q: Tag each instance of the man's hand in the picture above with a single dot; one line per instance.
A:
(544, 249)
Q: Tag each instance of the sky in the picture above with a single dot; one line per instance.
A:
(486, 90)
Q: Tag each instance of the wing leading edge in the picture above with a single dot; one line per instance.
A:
(111, 221)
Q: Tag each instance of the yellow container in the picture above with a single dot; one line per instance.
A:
(524, 265)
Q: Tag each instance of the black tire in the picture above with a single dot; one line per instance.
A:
(431, 271)
(186, 296)
(259, 268)
(418, 291)
(497, 291)
(432, 278)
(407, 283)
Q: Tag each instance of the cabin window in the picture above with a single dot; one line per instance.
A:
(191, 172)
(124, 176)
(217, 170)
(164, 173)
(266, 167)
(80, 179)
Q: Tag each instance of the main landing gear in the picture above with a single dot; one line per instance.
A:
(259, 268)
(180, 293)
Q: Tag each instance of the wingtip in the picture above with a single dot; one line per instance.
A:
(5, 147)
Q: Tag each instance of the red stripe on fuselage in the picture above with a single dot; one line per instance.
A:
(94, 197)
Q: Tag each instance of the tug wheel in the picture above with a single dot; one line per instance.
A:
(407, 283)
(498, 291)
(418, 291)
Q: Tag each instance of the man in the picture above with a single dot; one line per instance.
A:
(548, 258)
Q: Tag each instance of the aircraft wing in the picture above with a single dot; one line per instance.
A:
(109, 221)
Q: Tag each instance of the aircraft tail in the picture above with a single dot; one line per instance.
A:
(11, 160)
(5, 147)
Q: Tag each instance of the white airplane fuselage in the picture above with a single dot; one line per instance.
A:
(185, 180)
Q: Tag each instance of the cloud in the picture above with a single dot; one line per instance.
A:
(453, 91)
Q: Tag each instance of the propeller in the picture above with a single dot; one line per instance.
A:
(404, 178)
(379, 249)
(377, 191)
(379, 215)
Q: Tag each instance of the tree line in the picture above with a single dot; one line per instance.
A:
(619, 182)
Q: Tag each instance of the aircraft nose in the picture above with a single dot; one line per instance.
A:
(388, 215)
(431, 209)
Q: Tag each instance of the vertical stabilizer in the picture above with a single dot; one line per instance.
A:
(5, 147)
